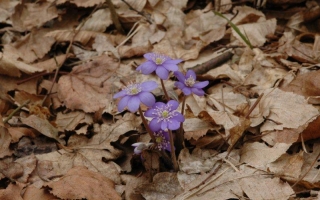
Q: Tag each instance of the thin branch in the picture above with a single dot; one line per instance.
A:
(114, 17)
(16, 110)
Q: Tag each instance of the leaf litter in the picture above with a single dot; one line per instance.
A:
(253, 135)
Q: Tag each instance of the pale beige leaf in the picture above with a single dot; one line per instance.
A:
(165, 186)
(196, 128)
(247, 14)
(29, 15)
(43, 126)
(227, 120)
(225, 71)
(13, 191)
(260, 188)
(32, 193)
(288, 166)
(259, 155)
(11, 169)
(104, 44)
(87, 86)
(28, 164)
(70, 120)
(256, 32)
(51, 64)
(99, 21)
(137, 4)
(200, 161)
(310, 168)
(287, 109)
(11, 67)
(66, 35)
(5, 140)
(80, 183)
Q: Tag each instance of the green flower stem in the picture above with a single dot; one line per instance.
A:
(173, 153)
(164, 90)
(146, 125)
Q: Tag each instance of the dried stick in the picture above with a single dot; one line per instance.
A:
(16, 110)
(204, 67)
(114, 17)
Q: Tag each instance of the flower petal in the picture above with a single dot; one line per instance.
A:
(155, 125)
(173, 61)
(170, 67)
(201, 84)
(180, 76)
(148, 86)
(174, 125)
(147, 98)
(174, 104)
(164, 125)
(186, 91)
(123, 103)
(134, 103)
(147, 67)
(149, 56)
(191, 73)
(166, 135)
(120, 94)
(149, 113)
(197, 91)
(162, 73)
(178, 117)
(179, 85)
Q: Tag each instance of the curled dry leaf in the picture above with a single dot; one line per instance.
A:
(283, 110)
(80, 183)
(43, 126)
(11, 169)
(71, 120)
(32, 193)
(87, 86)
(5, 140)
(164, 186)
(13, 191)
(28, 164)
(99, 21)
(196, 128)
(81, 3)
(30, 15)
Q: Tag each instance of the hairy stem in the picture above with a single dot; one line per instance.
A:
(146, 125)
(180, 136)
(164, 90)
(173, 153)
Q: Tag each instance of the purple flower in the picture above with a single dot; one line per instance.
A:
(162, 140)
(188, 83)
(160, 63)
(134, 94)
(140, 146)
(165, 116)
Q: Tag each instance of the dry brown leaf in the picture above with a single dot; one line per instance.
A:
(260, 155)
(28, 164)
(12, 67)
(283, 109)
(80, 183)
(246, 14)
(87, 86)
(5, 140)
(51, 64)
(31, 47)
(10, 83)
(196, 128)
(99, 21)
(32, 193)
(81, 3)
(104, 44)
(260, 188)
(288, 166)
(30, 15)
(310, 168)
(256, 32)
(200, 161)
(13, 191)
(43, 126)
(164, 186)
(71, 120)
(137, 4)
(11, 169)
(66, 35)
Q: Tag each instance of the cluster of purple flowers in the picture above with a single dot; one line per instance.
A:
(164, 115)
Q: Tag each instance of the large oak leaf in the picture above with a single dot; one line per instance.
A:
(87, 86)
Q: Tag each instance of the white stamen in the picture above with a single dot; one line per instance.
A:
(158, 58)
(133, 89)
(190, 81)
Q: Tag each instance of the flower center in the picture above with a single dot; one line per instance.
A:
(133, 89)
(161, 141)
(189, 81)
(158, 59)
(164, 113)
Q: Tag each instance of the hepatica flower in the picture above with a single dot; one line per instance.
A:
(140, 146)
(160, 63)
(165, 116)
(188, 84)
(135, 94)
(162, 143)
